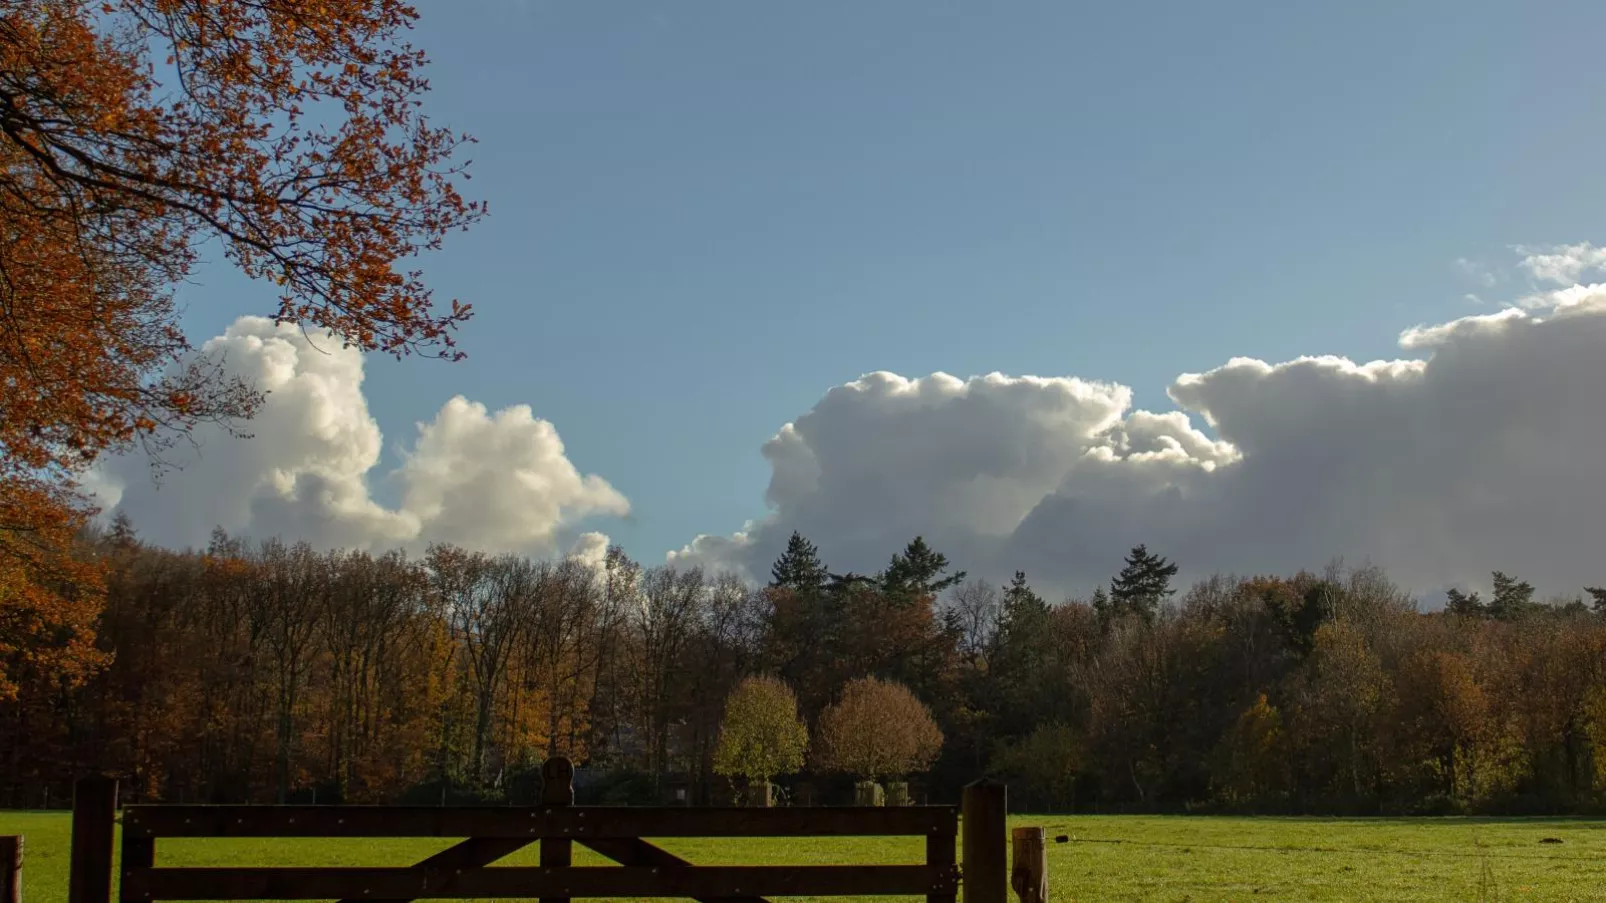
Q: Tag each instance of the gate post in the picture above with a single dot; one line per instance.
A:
(985, 869)
(94, 824)
(11, 869)
(557, 790)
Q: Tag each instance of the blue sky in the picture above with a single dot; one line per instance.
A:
(706, 214)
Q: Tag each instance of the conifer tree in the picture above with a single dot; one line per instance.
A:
(806, 623)
(123, 535)
(1023, 607)
(918, 571)
(799, 568)
(1102, 606)
(1142, 585)
(1511, 597)
(1018, 657)
(1467, 605)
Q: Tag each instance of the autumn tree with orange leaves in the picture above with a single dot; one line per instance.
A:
(132, 132)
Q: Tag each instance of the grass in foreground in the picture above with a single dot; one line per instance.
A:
(1158, 858)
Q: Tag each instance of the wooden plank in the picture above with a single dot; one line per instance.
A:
(94, 827)
(557, 789)
(940, 854)
(472, 853)
(623, 881)
(11, 868)
(986, 843)
(641, 854)
(572, 822)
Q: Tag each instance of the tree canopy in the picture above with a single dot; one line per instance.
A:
(878, 729)
(761, 735)
(133, 133)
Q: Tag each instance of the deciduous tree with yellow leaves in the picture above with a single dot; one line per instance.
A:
(761, 735)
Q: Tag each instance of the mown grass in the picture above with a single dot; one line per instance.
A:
(1180, 858)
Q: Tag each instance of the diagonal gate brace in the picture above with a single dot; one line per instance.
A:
(479, 852)
(476, 852)
(634, 851)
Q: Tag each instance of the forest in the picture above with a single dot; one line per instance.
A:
(265, 671)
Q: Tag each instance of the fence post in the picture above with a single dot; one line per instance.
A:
(940, 855)
(11, 869)
(138, 853)
(94, 825)
(985, 868)
(557, 789)
(1029, 876)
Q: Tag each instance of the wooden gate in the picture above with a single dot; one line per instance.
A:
(616, 832)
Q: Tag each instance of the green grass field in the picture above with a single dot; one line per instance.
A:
(1110, 858)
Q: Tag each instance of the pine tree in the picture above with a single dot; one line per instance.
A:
(918, 571)
(806, 623)
(1142, 585)
(1022, 604)
(1102, 606)
(1511, 598)
(1018, 658)
(799, 567)
(122, 532)
(1599, 595)
(1464, 604)
(1022, 622)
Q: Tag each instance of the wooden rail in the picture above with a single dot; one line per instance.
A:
(530, 823)
(462, 870)
(583, 881)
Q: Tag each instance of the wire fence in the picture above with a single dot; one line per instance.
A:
(1480, 853)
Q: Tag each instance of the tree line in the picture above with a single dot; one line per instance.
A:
(267, 672)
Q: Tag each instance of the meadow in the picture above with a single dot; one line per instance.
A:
(1160, 858)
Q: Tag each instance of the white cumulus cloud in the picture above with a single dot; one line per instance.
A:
(497, 481)
(590, 549)
(1562, 264)
(1484, 452)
